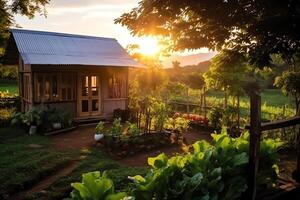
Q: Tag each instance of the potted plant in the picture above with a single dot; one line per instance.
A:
(33, 119)
(99, 131)
(55, 118)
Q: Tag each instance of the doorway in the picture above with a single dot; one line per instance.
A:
(89, 103)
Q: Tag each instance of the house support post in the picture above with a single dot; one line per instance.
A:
(255, 133)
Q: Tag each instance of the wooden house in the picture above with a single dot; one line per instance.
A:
(83, 74)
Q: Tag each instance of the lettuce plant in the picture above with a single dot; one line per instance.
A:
(95, 186)
(212, 171)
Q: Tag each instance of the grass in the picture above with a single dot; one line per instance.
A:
(9, 86)
(94, 160)
(273, 103)
(21, 164)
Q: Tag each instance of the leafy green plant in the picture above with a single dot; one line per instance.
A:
(100, 127)
(116, 128)
(217, 171)
(132, 129)
(178, 124)
(160, 111)
(95, 186)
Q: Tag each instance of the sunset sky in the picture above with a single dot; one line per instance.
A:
(89, 17)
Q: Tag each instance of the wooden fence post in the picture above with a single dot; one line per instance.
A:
(255, 132)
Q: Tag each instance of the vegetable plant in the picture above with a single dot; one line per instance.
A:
(100, 127)
(116, 128)
(132, 129)
(95, 186)
(217, 171)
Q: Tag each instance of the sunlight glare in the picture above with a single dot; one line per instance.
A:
(149, 46)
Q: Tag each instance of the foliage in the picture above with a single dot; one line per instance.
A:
(160, 112)
(95, 186)
(261, 31)
(100, 127)
(22, 7)
(8, 72)
(289, 82)
(215, 117)
(34, 116)
(132, 129)
(42, 118)
(10, 88)
(177, 124)
(217, 171)
(116, 128)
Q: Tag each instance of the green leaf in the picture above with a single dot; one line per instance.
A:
(240, 159)
(83, 191)
(158, 161)
(118, 196)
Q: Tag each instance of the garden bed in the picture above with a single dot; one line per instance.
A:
(122, 146)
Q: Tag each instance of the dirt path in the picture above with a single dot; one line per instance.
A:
(45, 183)
(82, 137)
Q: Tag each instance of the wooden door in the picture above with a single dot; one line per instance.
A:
(89, 100)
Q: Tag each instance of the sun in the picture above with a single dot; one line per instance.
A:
(148, 46)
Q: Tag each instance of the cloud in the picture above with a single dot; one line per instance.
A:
(83, 3)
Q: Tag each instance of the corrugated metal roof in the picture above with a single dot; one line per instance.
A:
(49, 48)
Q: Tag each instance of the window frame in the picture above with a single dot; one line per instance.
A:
(60, 86)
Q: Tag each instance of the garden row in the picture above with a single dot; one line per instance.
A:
(209, 171)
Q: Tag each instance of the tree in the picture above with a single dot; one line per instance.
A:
(176, 65)
(289, 82)
(9, 8)
(230, 72)
(259, 28)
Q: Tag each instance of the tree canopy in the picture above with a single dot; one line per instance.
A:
(9, 8)
(258, 28)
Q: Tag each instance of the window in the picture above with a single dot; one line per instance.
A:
(54, 87)
(67, 87)
(116, 86)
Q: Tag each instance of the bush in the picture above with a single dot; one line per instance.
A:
(42, 118)
(215, 117)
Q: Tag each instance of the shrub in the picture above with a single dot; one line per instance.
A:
(215, 117)
(42, 118)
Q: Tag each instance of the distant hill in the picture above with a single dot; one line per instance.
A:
(188, 60)
(200, 67)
